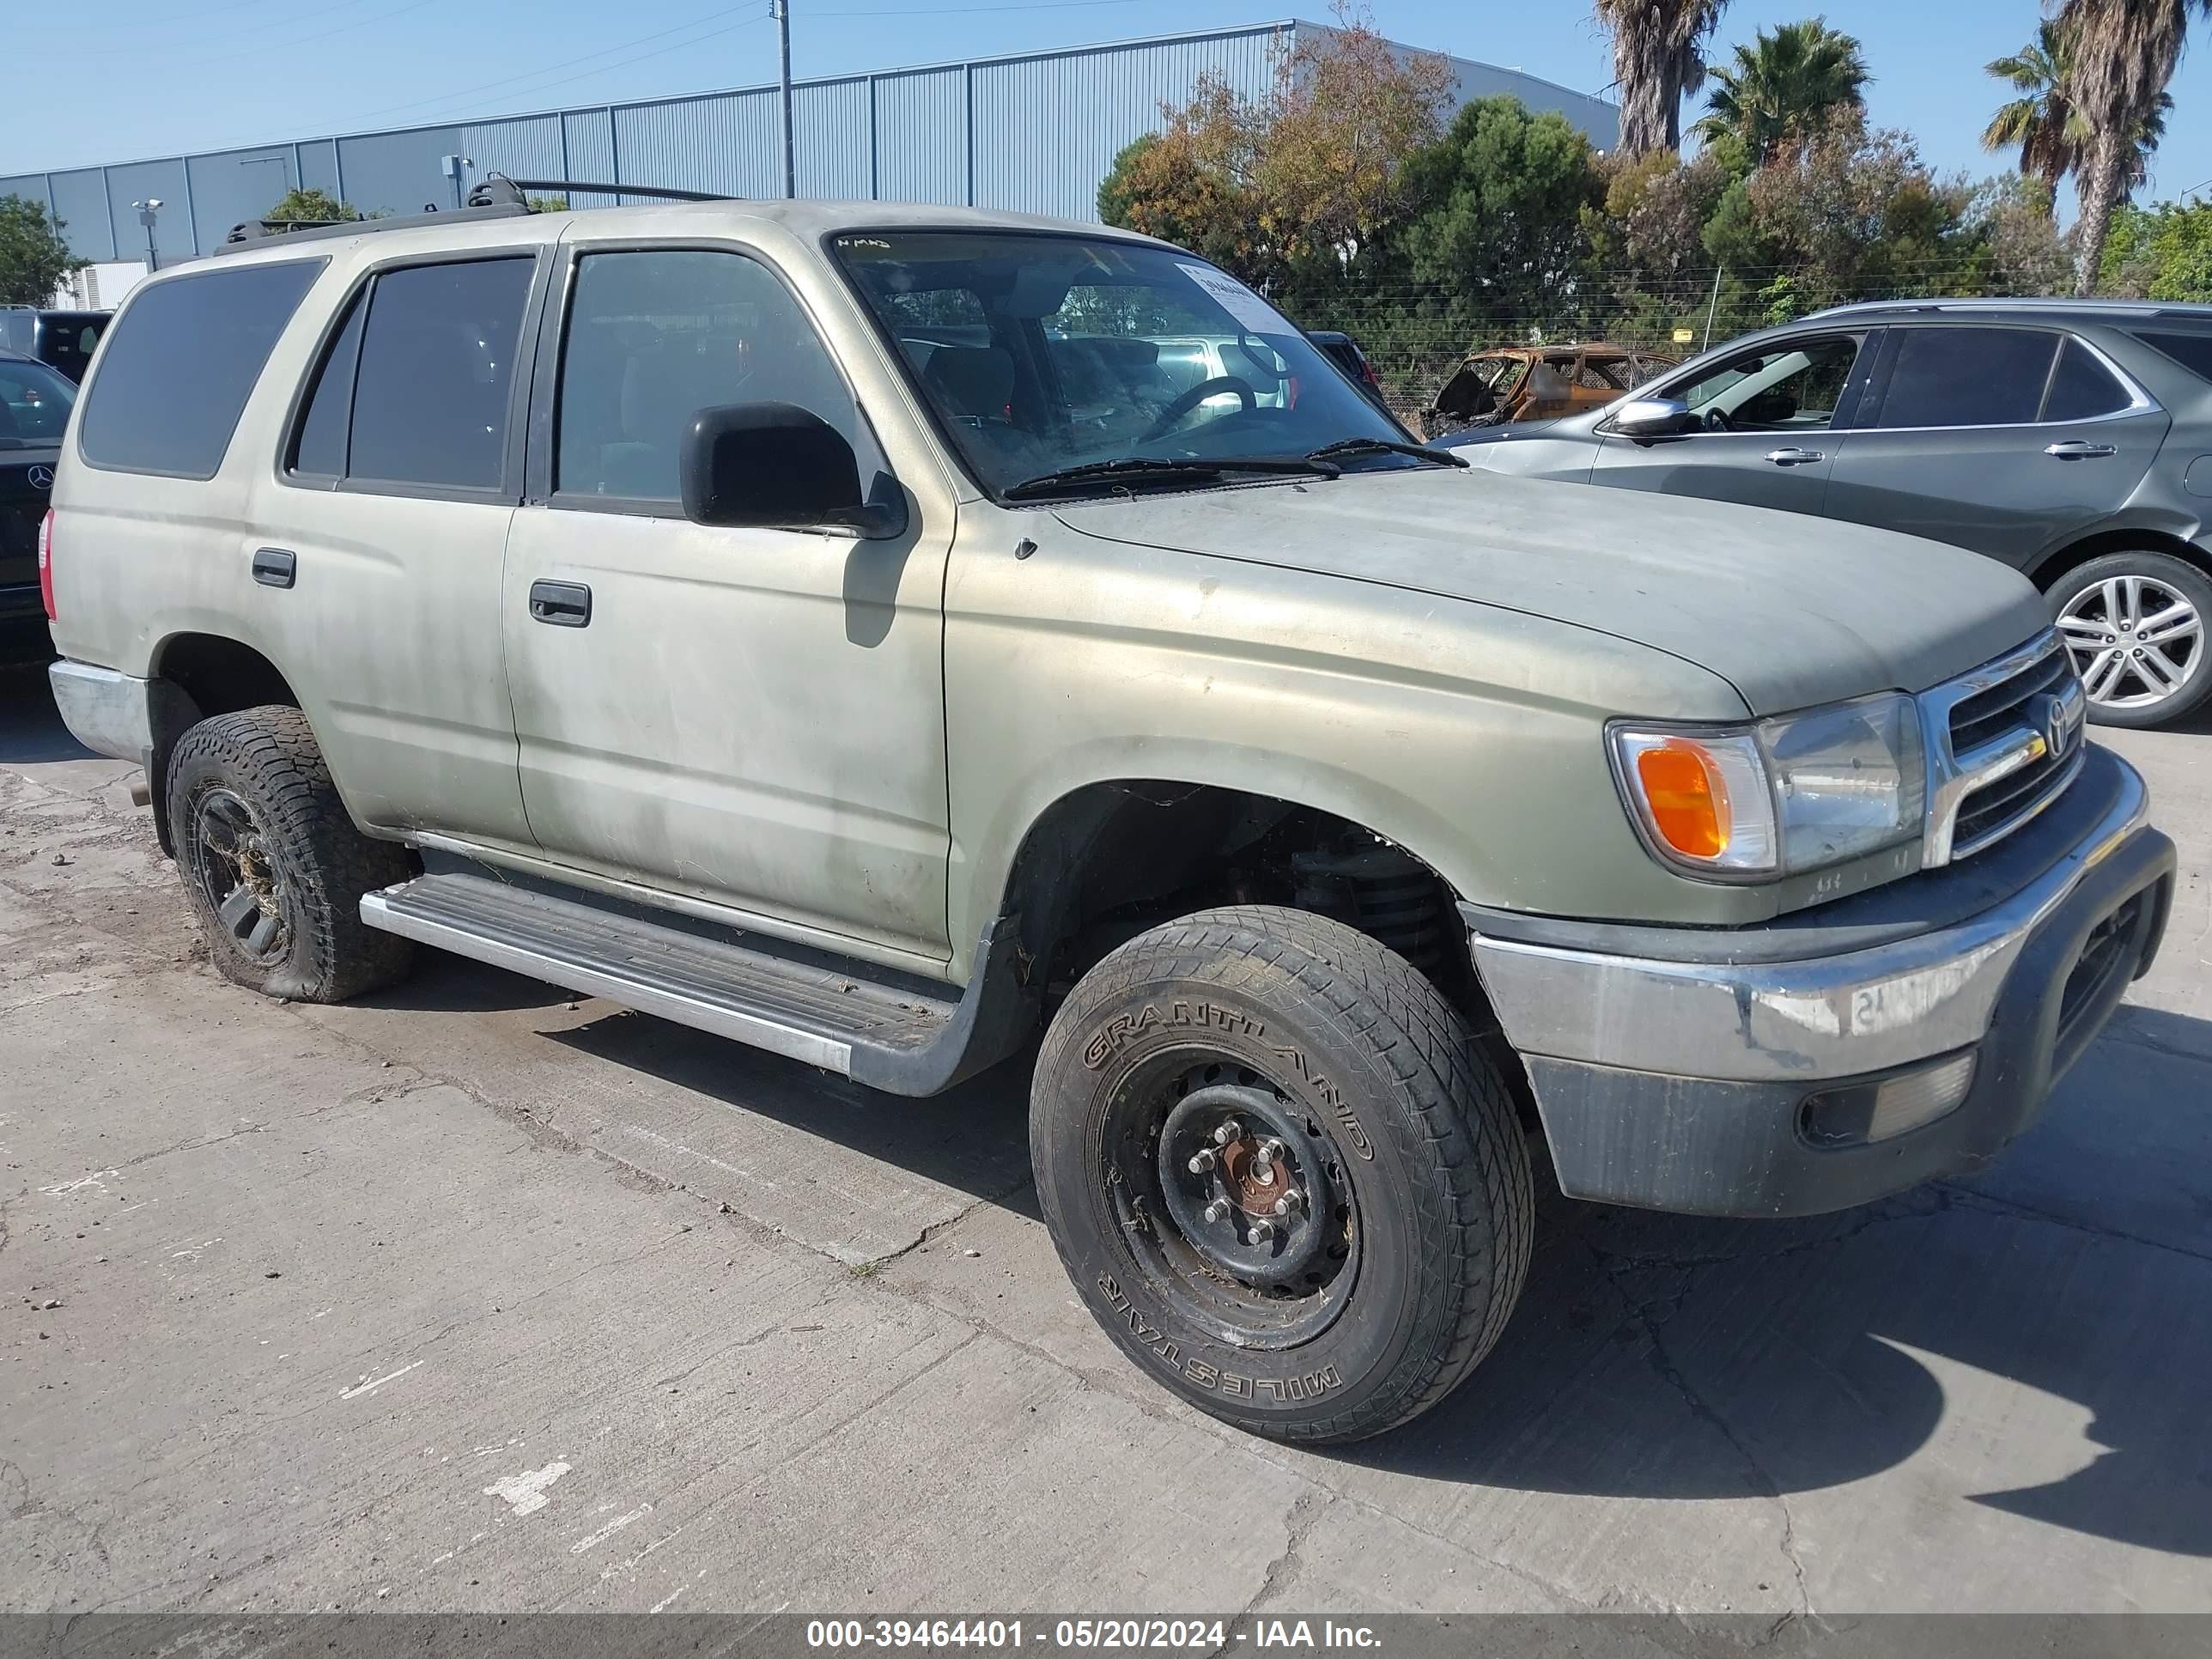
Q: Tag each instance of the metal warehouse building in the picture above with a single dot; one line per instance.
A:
(1034, 132)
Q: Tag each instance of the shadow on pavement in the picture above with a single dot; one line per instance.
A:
(31, 729)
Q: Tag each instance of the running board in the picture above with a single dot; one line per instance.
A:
(900, 1040)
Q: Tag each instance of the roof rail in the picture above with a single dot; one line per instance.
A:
(2013, 303)
(497, 187)
(252, 233)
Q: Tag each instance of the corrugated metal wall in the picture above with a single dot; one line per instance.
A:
(1033, 133)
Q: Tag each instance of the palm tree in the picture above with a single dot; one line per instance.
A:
(1786, 86)
(2122, 54)
(1657, 55)
(2042, 122)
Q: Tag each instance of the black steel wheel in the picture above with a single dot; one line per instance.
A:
(1280, 1173)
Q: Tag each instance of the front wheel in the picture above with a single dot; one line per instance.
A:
(1280, 1173)
(2135, 625)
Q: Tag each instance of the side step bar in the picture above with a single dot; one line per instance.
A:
(901, 1041)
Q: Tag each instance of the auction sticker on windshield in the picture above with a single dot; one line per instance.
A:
(1247, 308)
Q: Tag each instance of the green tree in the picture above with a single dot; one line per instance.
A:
(1786, 88)
(2123, 55)
(1500, 229)
(1658, 57)
(311, 207)
(547, 203)
(34, 258)
(2042, 122)
(2160, 254)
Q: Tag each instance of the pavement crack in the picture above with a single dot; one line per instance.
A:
(1971, 1199)
(1299, 1521)
(936, 1229)
(1645, 1312)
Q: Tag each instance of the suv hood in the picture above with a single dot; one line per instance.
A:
(1791, 611)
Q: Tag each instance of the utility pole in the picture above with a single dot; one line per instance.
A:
(790, 162)
(147, 209)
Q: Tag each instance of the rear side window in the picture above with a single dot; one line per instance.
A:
(2192, 351)
(320, 447)
(183, 362)
(1967, 377)
(436, 370)
(2081, 387)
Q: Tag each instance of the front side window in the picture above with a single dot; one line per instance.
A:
(1967, 377)
(1040, 353)
(183, 359)
(656, 334)
(436, 369)
(1787, 388)
(34, 405)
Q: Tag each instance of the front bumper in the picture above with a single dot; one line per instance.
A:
(1700, 1070)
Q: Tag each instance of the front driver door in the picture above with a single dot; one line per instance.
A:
(750, 717)
(2007, 441)
(1766, 423)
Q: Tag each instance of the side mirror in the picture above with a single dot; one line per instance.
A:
(1653, 417)
(777, 466)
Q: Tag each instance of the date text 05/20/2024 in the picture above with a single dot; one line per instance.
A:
(1200, 1635)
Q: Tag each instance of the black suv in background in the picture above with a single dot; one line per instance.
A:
(60, 339)
(34, 410)
(2071, 439)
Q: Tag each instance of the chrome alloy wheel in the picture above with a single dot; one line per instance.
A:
(2134, 641)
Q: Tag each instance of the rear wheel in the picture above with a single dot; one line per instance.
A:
(2135, 625)
(1280, 1173)
(272, 864)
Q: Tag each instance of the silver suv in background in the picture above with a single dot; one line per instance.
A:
(2071, 439)
(741, 611)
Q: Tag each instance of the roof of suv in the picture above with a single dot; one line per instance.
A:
(2111, 311)
(466, 227)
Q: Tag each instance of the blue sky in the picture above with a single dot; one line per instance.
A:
(155, 78)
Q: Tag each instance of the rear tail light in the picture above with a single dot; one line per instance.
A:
(46, 565)
(1367, 370)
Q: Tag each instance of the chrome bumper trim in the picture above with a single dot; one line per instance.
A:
(1828, 1017)
(108, 713)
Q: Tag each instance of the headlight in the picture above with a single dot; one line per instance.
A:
(1787, 795)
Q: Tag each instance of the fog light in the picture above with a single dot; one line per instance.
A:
(1870, 1112)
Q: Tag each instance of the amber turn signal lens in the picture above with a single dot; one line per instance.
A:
(1687, 797)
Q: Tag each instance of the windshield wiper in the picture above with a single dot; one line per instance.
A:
(1133, 468)
(1385, 446)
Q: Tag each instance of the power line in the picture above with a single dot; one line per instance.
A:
(547, 68)
(660, 52)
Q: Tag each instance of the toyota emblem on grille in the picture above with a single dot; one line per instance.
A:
(2058, 726)
(41, 477)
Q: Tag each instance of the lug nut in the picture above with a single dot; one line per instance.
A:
(1262, 1231)
(1228, 1132)
(1291, 1201)
(1201, 1161)
(1217, 1211)
(1272, 1151)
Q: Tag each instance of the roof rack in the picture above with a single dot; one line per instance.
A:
(495, 195)
(2052, 302)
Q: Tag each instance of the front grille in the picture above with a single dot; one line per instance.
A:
(1991, 715)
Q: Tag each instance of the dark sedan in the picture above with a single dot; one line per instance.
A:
(34, 410)
(2070, 439)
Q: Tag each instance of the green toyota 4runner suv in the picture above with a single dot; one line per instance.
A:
(888, 634)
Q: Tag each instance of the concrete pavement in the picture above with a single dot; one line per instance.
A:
(469, 1297)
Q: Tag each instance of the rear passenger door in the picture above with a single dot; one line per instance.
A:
(2006, 440)
(754, 718)
(380, 534)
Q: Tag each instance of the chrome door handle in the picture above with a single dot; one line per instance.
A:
(1794, 457)
(2077, 449)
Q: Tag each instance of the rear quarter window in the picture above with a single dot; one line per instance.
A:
(2192, 351)
(181, 362)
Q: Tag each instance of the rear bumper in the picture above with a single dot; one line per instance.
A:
(1744, 1082)
(110, 713)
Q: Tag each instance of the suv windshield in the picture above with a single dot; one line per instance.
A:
(1040, 353)
(34, 405)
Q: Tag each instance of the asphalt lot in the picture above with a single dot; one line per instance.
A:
(470, 1297)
